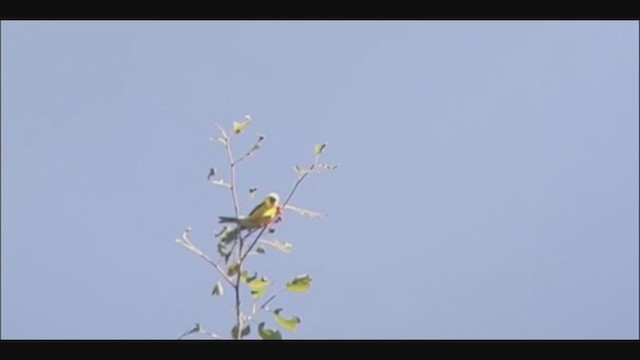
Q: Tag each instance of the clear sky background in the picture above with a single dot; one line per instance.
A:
(487, 183)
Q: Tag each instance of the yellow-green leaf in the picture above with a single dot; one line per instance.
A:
(319, 148)
(300, 171)
(217, 289)
(239, 126)
(305, 212)
(222, 249)
(243, 276)
(301, 283)
(229, 236)
(282, 246)
(233, 269)
(222, 231)
(268, 334)
(258, 286)
(289, 324)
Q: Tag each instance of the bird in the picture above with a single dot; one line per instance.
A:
(260, 216)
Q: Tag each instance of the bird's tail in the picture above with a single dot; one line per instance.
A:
(227, 219)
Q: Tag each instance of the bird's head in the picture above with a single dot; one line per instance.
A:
(273, 198)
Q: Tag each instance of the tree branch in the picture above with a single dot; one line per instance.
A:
(236, 208)
(253, 149)
(255, 241)
(232, 164)
(264, 305)
(315, 161)
(198, 329)
(189, 245)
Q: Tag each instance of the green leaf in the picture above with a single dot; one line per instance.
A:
(233, 269)
(304, 212)
(282, 246)
(258, 286)
(226, 257)
(217, 289)
(239, 126)
(245, 331)
(222, 231)
(301, 283)
(319, 148)
(245, 278)
(289, 324)
(222, 250)
(300, 170)
(229, 236)
(325, 167)
(253, 277)
(268, 334)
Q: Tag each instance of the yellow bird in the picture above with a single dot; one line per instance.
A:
(260, 216)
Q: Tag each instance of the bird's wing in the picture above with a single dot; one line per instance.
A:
(255, 209)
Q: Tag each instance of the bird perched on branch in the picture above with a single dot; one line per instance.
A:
(260, 216)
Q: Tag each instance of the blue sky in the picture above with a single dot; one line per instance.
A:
(487, 183)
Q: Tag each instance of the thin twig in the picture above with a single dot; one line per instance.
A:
(304, 212)
(236, 208)
(233, 246)
(294, 189)
(232, 186)
(255, 241)
(252, 150)
(200, 330)
(315, 161)
(191, 247)
(209, 333)
(264, 305)
(188, 332)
